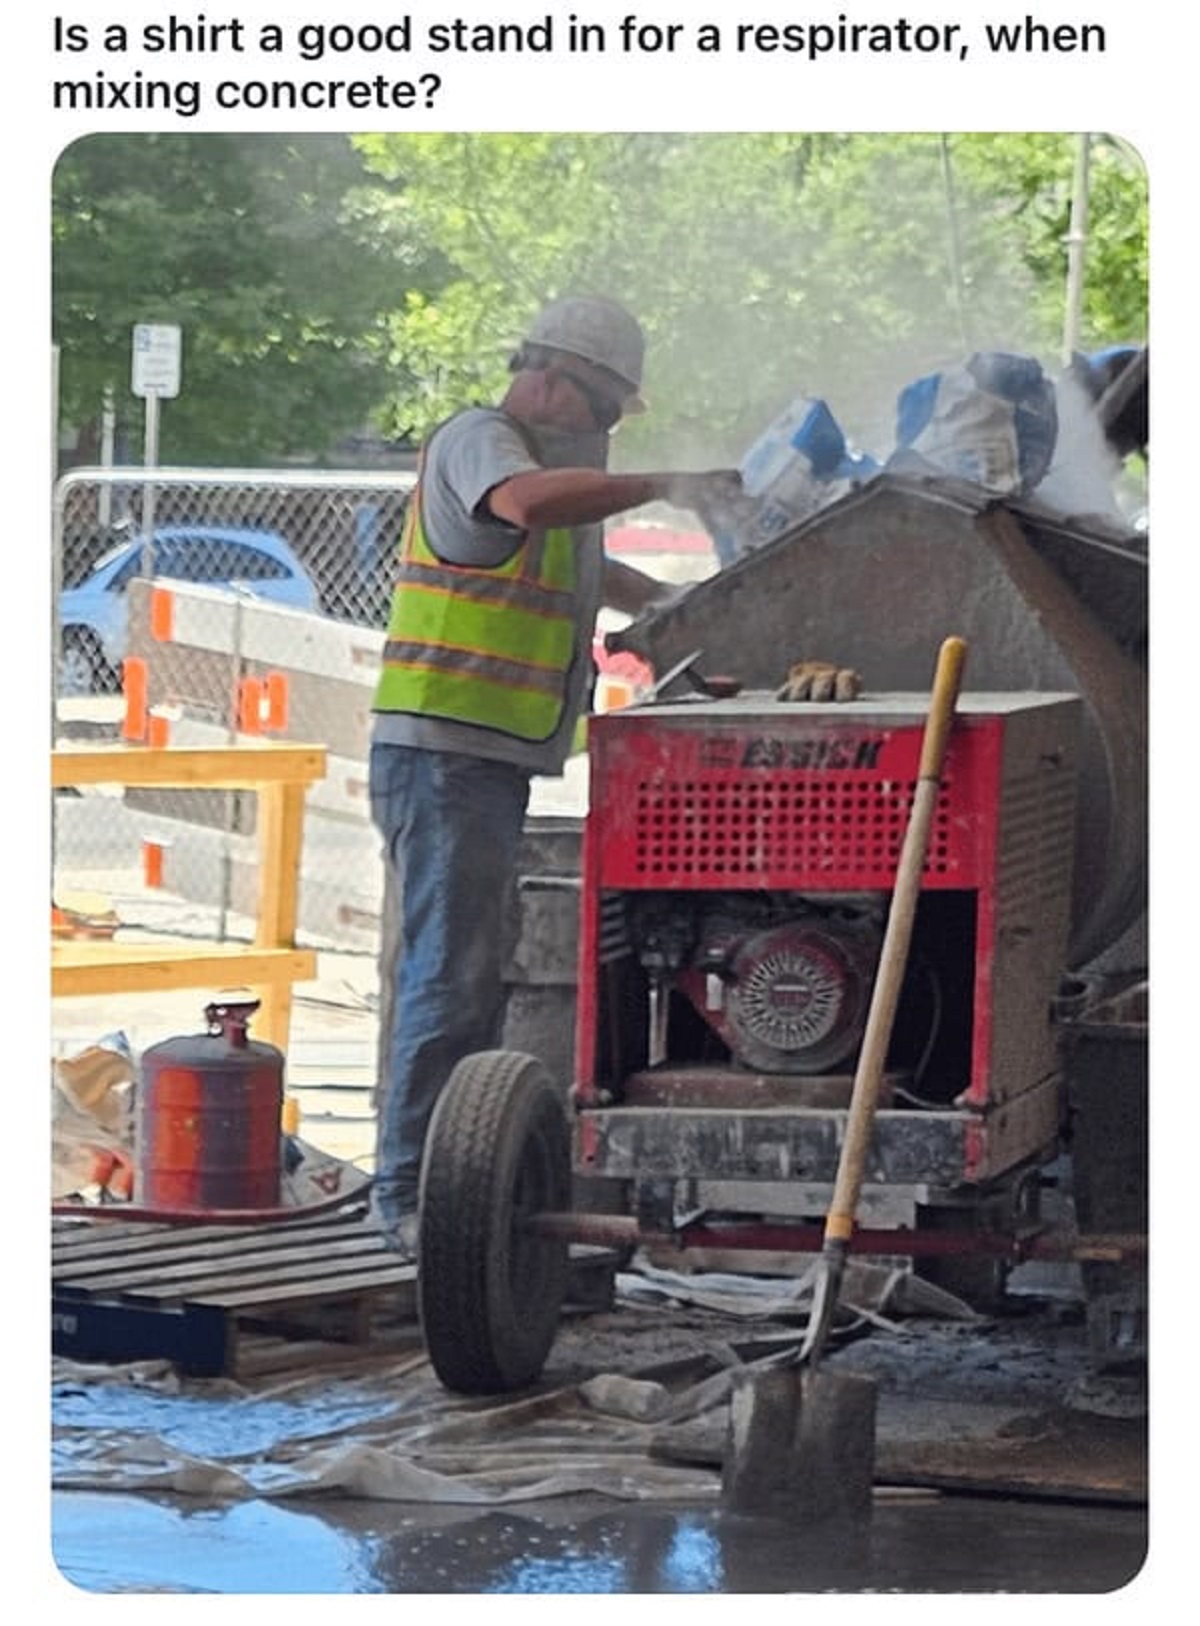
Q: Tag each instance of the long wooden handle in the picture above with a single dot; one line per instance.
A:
(947, 681)
(893, 956)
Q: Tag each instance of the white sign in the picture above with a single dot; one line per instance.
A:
(156, 352)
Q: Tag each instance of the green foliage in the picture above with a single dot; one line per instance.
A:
(762, 265)
(257, 248)
(324, 280)
(1029, 178)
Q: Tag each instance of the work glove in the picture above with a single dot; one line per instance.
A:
(820, 680)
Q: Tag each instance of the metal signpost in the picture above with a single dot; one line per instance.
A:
(157, 348)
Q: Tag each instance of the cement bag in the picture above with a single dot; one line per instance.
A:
(786, 475)
(993, 421)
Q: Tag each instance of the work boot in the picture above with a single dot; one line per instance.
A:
(401, 1236)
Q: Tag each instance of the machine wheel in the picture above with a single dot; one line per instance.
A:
(490, 1293)
(82, 668)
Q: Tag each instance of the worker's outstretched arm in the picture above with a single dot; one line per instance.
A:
(582, 496)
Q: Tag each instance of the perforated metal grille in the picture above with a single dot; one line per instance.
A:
(802, 829)
(1037, 842)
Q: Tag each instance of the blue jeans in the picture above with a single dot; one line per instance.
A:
(451, 828)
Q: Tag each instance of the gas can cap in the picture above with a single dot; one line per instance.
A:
(229, 1014)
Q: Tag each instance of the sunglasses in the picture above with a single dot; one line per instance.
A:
(604, 410)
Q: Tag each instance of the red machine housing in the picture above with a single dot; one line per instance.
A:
(735, 826)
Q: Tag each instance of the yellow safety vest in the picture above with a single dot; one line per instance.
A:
(486, 646)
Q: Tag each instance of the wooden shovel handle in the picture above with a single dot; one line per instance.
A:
(947, 681)
(893, 956)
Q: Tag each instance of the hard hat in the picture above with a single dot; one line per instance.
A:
(599, 331)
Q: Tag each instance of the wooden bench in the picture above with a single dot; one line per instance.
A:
(280, 775)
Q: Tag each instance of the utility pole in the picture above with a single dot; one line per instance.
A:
(108, 422)
(1076, 241)
(956, 270)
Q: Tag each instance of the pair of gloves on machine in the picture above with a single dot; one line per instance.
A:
(820, 680)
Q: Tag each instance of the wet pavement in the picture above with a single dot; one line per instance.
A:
(296, 1485)
(927, 1543)
(117, 1541)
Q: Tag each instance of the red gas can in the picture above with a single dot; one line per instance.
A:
(208, 1117)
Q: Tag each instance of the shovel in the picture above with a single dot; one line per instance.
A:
(893, 961)
(804, 1439)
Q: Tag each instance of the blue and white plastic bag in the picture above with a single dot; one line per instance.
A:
(993, 421)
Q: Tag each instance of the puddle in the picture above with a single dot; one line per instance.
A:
(206, 1424)
(108, 1543)
(330, 1484)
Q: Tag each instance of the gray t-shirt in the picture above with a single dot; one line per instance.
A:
(464, 459)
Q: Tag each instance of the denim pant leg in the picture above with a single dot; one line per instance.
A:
(451, 827)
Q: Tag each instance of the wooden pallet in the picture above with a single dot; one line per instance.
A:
(203, 1296)
(189, 1293)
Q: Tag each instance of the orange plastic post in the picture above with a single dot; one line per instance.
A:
(250, 705)
(162, 614)
(158, 730)
(134, 684)
(153, 854)
(277, 702)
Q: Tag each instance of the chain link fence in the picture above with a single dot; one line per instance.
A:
(210, 608)
(200, 607)
(213, 527)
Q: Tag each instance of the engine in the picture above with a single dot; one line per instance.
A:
(739, 863)
(784, 982)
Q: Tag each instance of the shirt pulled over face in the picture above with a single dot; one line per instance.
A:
(570, 448)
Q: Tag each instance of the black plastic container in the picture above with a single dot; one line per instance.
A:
(1107, 1053)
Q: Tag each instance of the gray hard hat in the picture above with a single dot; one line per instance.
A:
(599, 331)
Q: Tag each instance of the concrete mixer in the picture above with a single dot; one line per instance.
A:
(718, 927)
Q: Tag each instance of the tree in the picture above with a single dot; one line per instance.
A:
(326, 282)
(763, 266)
(256, 247)
(1029, 179)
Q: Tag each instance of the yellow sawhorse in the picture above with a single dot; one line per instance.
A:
(280, 774)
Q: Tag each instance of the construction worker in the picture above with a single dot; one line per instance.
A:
(486, 670)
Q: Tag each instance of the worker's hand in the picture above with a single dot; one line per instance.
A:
(820, 680)
(717, 498)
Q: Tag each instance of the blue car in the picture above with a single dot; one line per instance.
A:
(94, 616)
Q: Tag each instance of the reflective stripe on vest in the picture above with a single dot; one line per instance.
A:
(490, 647)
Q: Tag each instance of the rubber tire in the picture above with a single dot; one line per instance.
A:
(489, 1293)
(82, 669)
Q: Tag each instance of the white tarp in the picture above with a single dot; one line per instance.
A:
(659, 1365)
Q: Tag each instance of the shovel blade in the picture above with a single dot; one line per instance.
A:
(801, 1445)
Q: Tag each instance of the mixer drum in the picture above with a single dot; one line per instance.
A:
(1047, 604)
